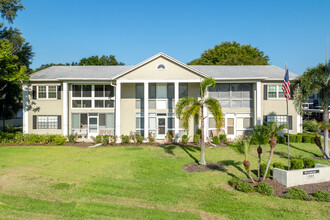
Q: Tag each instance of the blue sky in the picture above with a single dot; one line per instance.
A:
(67, 30)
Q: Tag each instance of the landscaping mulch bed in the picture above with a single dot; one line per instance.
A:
(195, 167)
(279, 189)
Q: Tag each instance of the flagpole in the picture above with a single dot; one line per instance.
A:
(287, 121)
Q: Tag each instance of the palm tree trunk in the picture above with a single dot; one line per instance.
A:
(259, 161)
(202, 161)
(268, 164)
(249, 174)
(326, 131)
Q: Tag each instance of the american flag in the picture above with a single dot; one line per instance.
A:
(286, 84)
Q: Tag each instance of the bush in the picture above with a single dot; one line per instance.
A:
(297, 163)
(296, 193)
(244, 187)
(197, 139)
(263, 170)
(321, 196)
(234, 182)
(125, 139)
(254, 141)
(278, 165)
(139, 139)
(199, 131)
(215, 140)
(59, 140)
(184, 139)
(299, 138)
(169, 137)
(313, 139)
(309, 163)
(105, 140)
(306, 138)
(265, 189)
(113, 139)
(281, 140)
(72, 138)
(97, 139)
(151, 138)
(223, 138)
(292, 138)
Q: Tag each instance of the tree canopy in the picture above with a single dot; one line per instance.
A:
(9, 9)
(231, 53)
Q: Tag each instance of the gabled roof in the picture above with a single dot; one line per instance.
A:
(218, 72)
(166, 57)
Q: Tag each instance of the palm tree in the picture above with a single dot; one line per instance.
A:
(272, 129)
(190, 107)
(314, 80)
(259, 133)
(243, 147)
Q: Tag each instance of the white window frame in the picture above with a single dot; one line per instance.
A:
(47, 92)
(278, 90)
(92, 98)
(141, 116)
(47, 116)
(244, 129)
(276, 117)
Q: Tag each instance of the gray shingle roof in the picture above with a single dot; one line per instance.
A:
(238, 72)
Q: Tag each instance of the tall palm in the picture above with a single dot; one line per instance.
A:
(243, 147)
(314, 80)
(190, 107)
(260, 134)
(272, 129)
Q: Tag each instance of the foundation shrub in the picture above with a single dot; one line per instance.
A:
(59, 139)
(151, 138)
(223, 138)
(139, 139)
(299, 138)
(72, 138)
(309, 162)
(125, 139)
(184, 139)
(281, 140)
(306, 138)
(105, 140)
(169, 137)
(113, 139)
(215, 140)
(197, 138)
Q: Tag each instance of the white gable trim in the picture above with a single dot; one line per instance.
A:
(155, 57)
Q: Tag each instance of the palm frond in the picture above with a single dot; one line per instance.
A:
(273, 129)
(188, 112)
(205, 84)
(214, 107)
(183, 103)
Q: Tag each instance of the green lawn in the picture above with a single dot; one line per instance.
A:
(138, 183)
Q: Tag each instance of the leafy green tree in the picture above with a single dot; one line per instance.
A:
(314, 80)
(243, 147)
(9, 9)
(190, 107)
(99, 61)
(232, 53)
(260, 134)
(272, 129)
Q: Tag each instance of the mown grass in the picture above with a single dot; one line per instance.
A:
(139, 183)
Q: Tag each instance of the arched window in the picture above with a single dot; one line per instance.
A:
(161, 67)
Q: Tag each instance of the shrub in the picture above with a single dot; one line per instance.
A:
(265, 189)
(309, 163)
(106, 140)
(223, 138)
(59, 140)
(113, 139)
(292, 138)
(296, 193)
(321, 196)
(98, 139)
(169, 137)
(132, 137)
(297, 163)
(199, 131)
(278, 165)
(197, 139)
(306, 138)
(139, 139)
(281, 140)
(125, 139)
(184, 139)
(151, 138)
(72, 138)
(313, 139)
(299, 138)
(254, 141)
(234, 182)
(263, 170)
(244, 187)
(215, 140)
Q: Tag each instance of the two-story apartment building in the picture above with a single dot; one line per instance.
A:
(97, 100)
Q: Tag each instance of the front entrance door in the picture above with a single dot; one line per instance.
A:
(161, 127)
(230, 127)
(92, 126)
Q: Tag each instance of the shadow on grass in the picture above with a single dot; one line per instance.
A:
(306, 151)
(188, 149)
(169, 149)
(234, 164)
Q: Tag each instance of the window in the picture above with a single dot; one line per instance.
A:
(161, 67)
(47, 122)
(92, 96)
(47, 92)
(275, 91)
(233, 95)
(183, 90)
(279, 119)
(139, 123)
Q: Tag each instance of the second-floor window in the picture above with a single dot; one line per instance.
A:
(47, 92)
(92, 96)
(275, 91)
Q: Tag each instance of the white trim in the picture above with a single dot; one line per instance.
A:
(146, 109)
(299, 123)
(25, 108)
(176, 120)
(240, 79)
(65, 123)
(157, 56)
(117, 109)
(159, 80)
(258, 88)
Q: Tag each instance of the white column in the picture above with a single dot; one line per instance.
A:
(259, 103)
(176, 120)
(299, 123)
(206, 121)
(25, 108)
(146, 109)
(65, 109)
(117, 110)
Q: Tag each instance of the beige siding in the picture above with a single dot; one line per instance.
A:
(172, 71)
(127, 106)
(44, 107)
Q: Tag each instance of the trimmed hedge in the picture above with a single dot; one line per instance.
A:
(281, 140)
(215, 140)
(19, 138)
(299, 138)
(309, 163)
(278, 165)
(297, 164)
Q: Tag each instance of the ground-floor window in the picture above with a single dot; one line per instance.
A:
(139, 124)
(279, 119)
(47, 122)
(161, 123)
